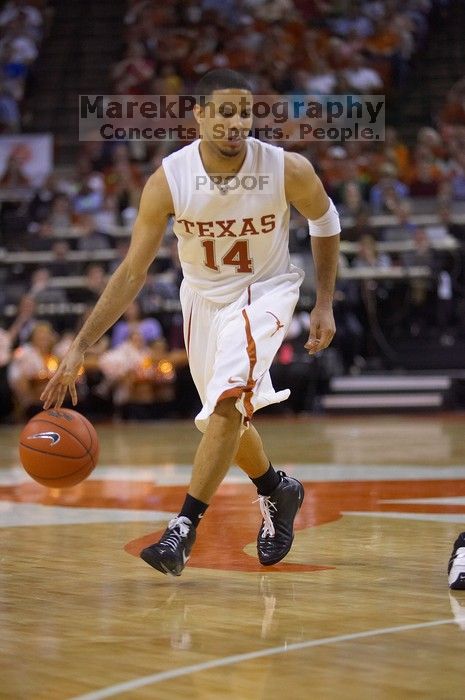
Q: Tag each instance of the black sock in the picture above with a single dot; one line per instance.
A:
(267, 482)
(193, 509)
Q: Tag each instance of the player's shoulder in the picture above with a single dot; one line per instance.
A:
(297, 169)
(264, 147)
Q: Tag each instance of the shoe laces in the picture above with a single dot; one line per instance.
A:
(179, 527)
(266, 506)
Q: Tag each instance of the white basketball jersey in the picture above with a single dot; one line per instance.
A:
(233, 236)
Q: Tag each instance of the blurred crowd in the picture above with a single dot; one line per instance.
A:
(308, 46)
(72, 232)
(22, 25)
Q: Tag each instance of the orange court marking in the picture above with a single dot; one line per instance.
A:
(233, 519)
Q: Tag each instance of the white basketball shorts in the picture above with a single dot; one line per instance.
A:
(231, 347)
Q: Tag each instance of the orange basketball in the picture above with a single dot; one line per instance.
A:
(58, 448)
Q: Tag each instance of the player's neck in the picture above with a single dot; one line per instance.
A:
(214, 163)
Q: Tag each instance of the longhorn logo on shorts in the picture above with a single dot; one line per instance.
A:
(279, 325)
(53, 437)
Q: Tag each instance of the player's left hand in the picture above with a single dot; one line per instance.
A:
(322, 329)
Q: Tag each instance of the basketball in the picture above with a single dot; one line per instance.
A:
(58, 448)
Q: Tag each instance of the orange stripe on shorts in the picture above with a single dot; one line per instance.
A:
(252, 353)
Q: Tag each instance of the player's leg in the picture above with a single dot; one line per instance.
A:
(280, 498)
(216, 450)
(212, 460)
(250, 455)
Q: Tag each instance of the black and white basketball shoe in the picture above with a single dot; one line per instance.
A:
(172, 551)
(279, 510)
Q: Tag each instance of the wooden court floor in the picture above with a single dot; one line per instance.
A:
(359, 609)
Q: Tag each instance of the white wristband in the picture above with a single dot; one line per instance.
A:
(326, 225)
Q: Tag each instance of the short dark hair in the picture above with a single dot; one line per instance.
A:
(221, 79)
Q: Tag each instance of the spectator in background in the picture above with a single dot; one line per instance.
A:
(8, 339)
(10, 117)
(89, 199)
(108, 218)
(40, 204)
(422, 289)
(369, 256)
(133, 73)
(388, 192)
(94, 284)
(90, 239)
(396, 152)
(149, 328)
(61, 212)
(14, 175)
(33, 364)
(124, 179)
(61, 265)
(26, 318)
(20, 9)
(360, 77)
(142, 378)
(40, 237)
(42, 291)
(453, 111)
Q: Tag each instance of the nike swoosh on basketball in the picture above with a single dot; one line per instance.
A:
(53, 437)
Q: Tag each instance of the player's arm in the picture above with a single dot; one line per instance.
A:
(122, 287)
(306, 193)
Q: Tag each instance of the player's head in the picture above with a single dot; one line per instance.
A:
(224, 110)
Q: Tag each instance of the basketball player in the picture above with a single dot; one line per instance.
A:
(238, 296)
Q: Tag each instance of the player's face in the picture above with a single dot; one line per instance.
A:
(227, 122)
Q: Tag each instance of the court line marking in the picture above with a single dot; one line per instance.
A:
(154, 678)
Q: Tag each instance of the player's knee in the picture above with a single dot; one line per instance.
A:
(226, 408)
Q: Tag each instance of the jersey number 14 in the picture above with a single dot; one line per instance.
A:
(237, 256)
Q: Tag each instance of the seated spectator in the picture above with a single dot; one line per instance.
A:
(141, 378)
(90, 239)
(149, 328)
(13, 175)
(8, 338)
(133, 73)
(33, 364)
(61, 212)
(424, 178)
(108, 218)
(41, 203)
(26, 318)
(396, 152)
(10, 117)
(95, 282)
(388, 192)
(453, 111)
(368, 255)
(123, 178)
(422, 253)
(352, 199)
(40, 236)
(41, 291)
(61, 265)
(20, 9)
(360, 77)
(456, 177)
(89, 199)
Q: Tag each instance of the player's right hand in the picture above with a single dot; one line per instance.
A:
(63, 380)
